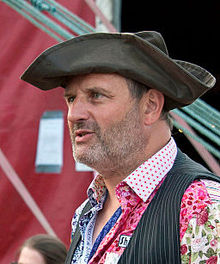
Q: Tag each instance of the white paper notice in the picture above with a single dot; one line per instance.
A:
(50, 143)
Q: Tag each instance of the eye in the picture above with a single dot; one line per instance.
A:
(70, 99)
(96, 95)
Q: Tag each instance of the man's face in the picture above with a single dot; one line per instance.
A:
(104, 120)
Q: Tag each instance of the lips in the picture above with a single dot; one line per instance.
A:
(82, 135)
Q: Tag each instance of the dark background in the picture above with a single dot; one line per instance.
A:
(191, 32)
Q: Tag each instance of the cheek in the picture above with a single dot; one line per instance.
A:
(111, 114)
(108, 120)
(70, 127)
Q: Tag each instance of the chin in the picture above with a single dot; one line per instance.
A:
(82, 158)
(87, 160)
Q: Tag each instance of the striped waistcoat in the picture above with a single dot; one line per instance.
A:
(156, 239)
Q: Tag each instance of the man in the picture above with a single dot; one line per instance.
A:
(149, 203)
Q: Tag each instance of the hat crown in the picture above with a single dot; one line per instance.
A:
(154, 38)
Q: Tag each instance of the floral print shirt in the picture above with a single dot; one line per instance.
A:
(199, 215)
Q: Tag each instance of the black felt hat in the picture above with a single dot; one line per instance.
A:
(141, 56)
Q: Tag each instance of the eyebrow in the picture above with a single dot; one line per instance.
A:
(99, 89)
(67, 94)
(90, 89)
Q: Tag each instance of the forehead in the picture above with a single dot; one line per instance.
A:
(30, 256)
(109, 81)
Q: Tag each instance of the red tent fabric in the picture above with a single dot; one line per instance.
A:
(21, 107)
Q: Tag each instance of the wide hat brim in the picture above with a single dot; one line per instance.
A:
(141, 56)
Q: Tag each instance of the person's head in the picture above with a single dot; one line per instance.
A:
(42, 249)
(125, 120)
(113, 126)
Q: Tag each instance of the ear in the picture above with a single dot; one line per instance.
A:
(153, 102)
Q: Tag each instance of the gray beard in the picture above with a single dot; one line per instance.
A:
(115, 148)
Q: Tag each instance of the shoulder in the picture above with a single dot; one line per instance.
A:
(201, 193)
(195, 194)
(213, 189)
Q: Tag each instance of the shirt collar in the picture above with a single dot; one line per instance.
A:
(148, 175)
(96, 189)
(144, 179)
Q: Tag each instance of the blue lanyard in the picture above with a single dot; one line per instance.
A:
(105, 231)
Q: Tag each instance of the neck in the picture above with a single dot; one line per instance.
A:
(113, 174)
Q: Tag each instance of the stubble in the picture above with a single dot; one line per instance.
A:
(117, 147)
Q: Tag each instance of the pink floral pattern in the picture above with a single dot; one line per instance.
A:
(212, 260)
(201, 239)
(194, 202)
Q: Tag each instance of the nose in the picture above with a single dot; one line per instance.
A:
(77, 111)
